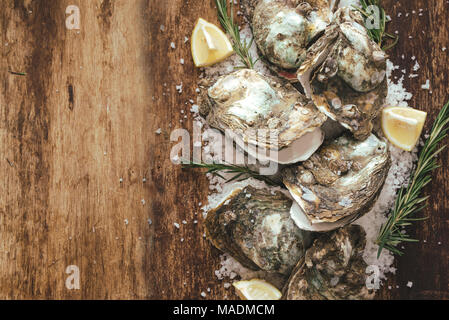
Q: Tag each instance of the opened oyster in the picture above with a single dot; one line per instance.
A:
(345, 74)
(332, 269)
(338, 184)
(284, 29)
(254, 226)
(246, 104)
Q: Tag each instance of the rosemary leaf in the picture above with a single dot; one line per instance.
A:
(240, 173)
(17, 73)
(409, 202)
(240, 47)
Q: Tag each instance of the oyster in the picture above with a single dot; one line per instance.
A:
(339, 183)
(283, 29)
(246, 104)
(345, 74)
(332, 269)
(254, 226)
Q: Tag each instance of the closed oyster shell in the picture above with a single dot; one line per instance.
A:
(345, 74)
(254, 226)
(283, 29)
(339, 183)
(245, 103)
(332, 269)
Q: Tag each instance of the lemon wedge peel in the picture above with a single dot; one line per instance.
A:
(402, 126)
(209, 44)
(257, 290)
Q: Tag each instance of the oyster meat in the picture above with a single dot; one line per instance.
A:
(345, 74)
(283, 29)
(339, 183)
(245, 104)
(254, 226)
(332, 269)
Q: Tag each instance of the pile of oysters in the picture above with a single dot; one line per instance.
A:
(326, 91)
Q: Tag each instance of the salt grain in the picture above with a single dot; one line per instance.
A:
(195, 108)
(416, 66)
(426, 86)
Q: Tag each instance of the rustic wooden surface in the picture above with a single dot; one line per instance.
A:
(77, 141)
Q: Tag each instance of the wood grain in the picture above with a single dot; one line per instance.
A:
(82, 169)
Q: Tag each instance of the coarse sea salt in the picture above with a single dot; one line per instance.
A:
(348, 3)
(194, 108)
(426, 86)
(402, 165)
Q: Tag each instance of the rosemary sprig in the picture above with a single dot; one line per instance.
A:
(409, 200)
(240, 47)
(17, 73)
(378, 35)
(240, 173)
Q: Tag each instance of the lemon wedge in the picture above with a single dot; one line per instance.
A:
(209, 44)
(403, 126)
(256, 290)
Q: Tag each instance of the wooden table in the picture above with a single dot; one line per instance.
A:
(82, 169)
